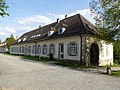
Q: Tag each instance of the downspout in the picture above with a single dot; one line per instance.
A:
(81, 50)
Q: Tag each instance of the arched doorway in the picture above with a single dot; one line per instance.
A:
(94, 55)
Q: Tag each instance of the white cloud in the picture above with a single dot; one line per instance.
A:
(32, 22)
(85, 13)
(9, 29)
(3, 33)
(55, 16)
(39, 19)
(22, 25)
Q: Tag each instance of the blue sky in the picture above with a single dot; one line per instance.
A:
(27, 15)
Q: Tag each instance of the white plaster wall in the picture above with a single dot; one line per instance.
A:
(64, 40)
(57, 41)
(106, 59)
(103, 59)
(21, 45)
(3, 49)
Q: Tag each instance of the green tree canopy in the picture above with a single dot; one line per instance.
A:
(3, 8)
(117, 51)
(107, 16)
(10, 40)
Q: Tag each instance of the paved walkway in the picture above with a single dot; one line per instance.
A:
(115, 68)
(17, 74)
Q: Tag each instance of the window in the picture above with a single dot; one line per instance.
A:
(50, 33)
(29, 49)
(38, 49)
(23, 49)
(52, 49)
(72, 49)
(61, 30)
(38, 35)
(102, 50)
(24, 39)
(33, 49)
(44, 49)
(20, 49)
(107, 50)
(19, 40)
(26, 49)
(17, 49)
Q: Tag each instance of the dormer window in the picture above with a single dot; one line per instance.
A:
(24, 39)
(38, 35)
(19, 40)
(61, 30)
(50, 33)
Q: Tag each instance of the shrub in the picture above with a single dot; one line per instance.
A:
(51, 57)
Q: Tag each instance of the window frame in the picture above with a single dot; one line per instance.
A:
(72, 48)
(52, 48)
(102, 50)
(29, 49)
(33, 49)
(38, 49)
(107, 50)
(44, 49)
(61, 30)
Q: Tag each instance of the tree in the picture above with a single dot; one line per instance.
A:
(3, 8)
(11, 36)
(107, 16)
(117, 51)
(10, 40)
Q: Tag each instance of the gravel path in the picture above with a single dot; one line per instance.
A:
(17, 74)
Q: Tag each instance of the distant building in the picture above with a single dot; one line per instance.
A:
(3, 47)
(71, 38)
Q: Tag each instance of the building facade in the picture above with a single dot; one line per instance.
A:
(3, 48)
(69, 39)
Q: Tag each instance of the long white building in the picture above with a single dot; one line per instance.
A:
(3, 47)
(69, 39)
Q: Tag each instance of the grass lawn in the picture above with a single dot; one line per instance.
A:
(64, 63)
(116, 65)
(71, 65)
(116, 73)
(59, 63)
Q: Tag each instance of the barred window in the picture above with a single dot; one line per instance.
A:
(72, 49)
(33, 49)
(102, 50)
(20, 50)
(26, 49)
(52, 49)
(12, 49)
(44, 50)
(23, 49)
(107, 50)
(38, 49)
(29, 49)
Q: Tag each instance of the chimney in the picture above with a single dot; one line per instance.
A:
(39, 26)
(65, 16)
(58, 20)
